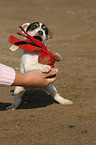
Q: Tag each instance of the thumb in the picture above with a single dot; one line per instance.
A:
(52, 74)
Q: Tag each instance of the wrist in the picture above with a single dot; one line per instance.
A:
(19, 79)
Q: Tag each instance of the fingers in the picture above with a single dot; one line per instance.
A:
(51, 80)
(51, 74)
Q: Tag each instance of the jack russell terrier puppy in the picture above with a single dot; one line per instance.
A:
(29, 61)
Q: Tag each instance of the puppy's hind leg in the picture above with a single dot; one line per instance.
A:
(56, 96)
(18, 93)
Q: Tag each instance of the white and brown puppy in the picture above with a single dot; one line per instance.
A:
(29, 62)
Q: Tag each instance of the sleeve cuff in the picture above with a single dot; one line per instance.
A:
(7, 75)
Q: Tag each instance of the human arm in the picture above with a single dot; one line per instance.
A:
(34, 78)
(31, 79)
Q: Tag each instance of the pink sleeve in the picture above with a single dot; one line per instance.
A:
(7, 75)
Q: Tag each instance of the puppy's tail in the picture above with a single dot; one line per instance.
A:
(57, 57)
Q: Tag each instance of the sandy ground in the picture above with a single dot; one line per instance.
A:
(39, 120)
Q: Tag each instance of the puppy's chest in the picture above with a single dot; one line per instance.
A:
(30, 58)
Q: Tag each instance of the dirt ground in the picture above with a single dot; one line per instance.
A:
(39, 120)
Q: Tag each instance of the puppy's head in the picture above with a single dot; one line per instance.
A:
(38, 30)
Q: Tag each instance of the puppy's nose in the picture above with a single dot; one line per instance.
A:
(40, 33)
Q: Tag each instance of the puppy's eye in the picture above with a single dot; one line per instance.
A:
(33, 27)
(45, 29)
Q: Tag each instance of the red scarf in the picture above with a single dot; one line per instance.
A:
(33, 45)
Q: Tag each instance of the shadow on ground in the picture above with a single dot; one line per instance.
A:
(31, 99)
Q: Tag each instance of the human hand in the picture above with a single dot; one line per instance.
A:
(35, 79)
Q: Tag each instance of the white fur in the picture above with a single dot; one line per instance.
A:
(29, 62)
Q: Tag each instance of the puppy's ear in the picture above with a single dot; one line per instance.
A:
(49, 34)
(25, 25)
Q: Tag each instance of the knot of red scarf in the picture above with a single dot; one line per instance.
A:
(33, 45)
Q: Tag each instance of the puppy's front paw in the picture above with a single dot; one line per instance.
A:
(57, 57)
(46, 68)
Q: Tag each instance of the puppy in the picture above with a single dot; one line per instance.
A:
(29, 61)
